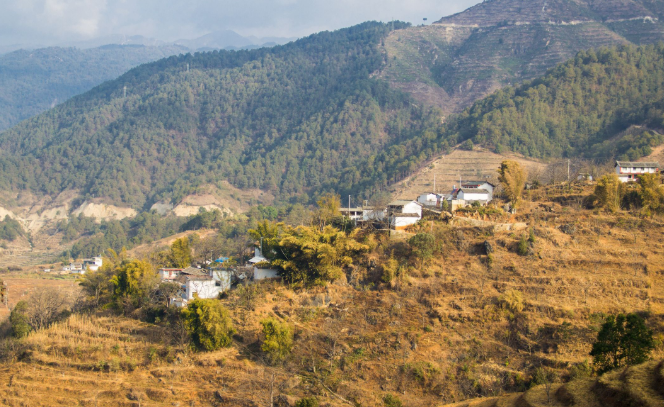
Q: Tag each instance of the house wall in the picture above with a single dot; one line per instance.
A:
(204, 289)
(412, 207)
(401, 223)
(472, 196)
(629, 174)
(373, 215)
(262, 274)
(428, 199)
(223, 277)
(168, 275)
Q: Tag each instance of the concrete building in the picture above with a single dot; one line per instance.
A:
(431, 199)
(629, 171)
(403, 213)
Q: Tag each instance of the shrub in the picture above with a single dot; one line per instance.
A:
(391, 401)
(607, 192)
(278, 341)
(512, 300)
(19, 320)
(580, 370)
(307, 402)
(208, 323)
(423, 245)
(390, 269)
(622, 340)
(522, 247)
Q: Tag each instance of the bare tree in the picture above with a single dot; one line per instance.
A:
(46, 305)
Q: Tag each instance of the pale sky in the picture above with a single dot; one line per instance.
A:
(50, 22)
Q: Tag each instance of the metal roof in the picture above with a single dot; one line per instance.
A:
(474, 190)
(635, 164)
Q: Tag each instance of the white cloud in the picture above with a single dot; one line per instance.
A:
(55, 21)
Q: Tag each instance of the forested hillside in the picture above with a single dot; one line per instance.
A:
(36, 80)
(294, 120)
(578, 108)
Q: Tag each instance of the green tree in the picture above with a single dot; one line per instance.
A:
(512, 178)
(180, 253)
(423, 245)
(266, 234)
(328, 208)
(622, 340)
(650, 193)
(607, 192)
(132, 281)
(311, 256)
(19, 320)
(278, 342)
(209, 324)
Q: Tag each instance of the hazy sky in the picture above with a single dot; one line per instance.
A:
(48, 22)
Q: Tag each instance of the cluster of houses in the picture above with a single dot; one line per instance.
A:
(210, 282)
(403, 212)
(81, 267)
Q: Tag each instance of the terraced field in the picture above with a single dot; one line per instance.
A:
(641, 385)
(448, 169)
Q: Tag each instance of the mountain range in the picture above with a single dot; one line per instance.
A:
(354, 110)
(497, 43)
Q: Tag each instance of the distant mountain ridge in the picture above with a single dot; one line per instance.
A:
(34, 81)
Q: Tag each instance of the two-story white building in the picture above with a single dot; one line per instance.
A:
(629, 171)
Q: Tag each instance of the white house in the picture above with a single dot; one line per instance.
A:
(431, 199)
(93, 264)
(474, 194)
(629, 171)
(77, 268)
(261, 273)
(203, 287)
(480, 185)
(352, 213)
(403, 213)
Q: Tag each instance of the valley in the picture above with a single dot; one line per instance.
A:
(465, 213)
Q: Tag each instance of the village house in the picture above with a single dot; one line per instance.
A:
(470, 192)
(93, 264)
(356, 214)
(403, 213)
(261, 267)
(629, 171)
(76, 268)
(489, 187)
(363, 214)
(169, 274)
(431, 199)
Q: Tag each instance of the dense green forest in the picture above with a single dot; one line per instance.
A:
(32, 81)
(309, 117)
(295, 120)
(578, 108)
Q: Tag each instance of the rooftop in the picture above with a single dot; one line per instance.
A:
(401, 202)
(193, 271)
(635, 164)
